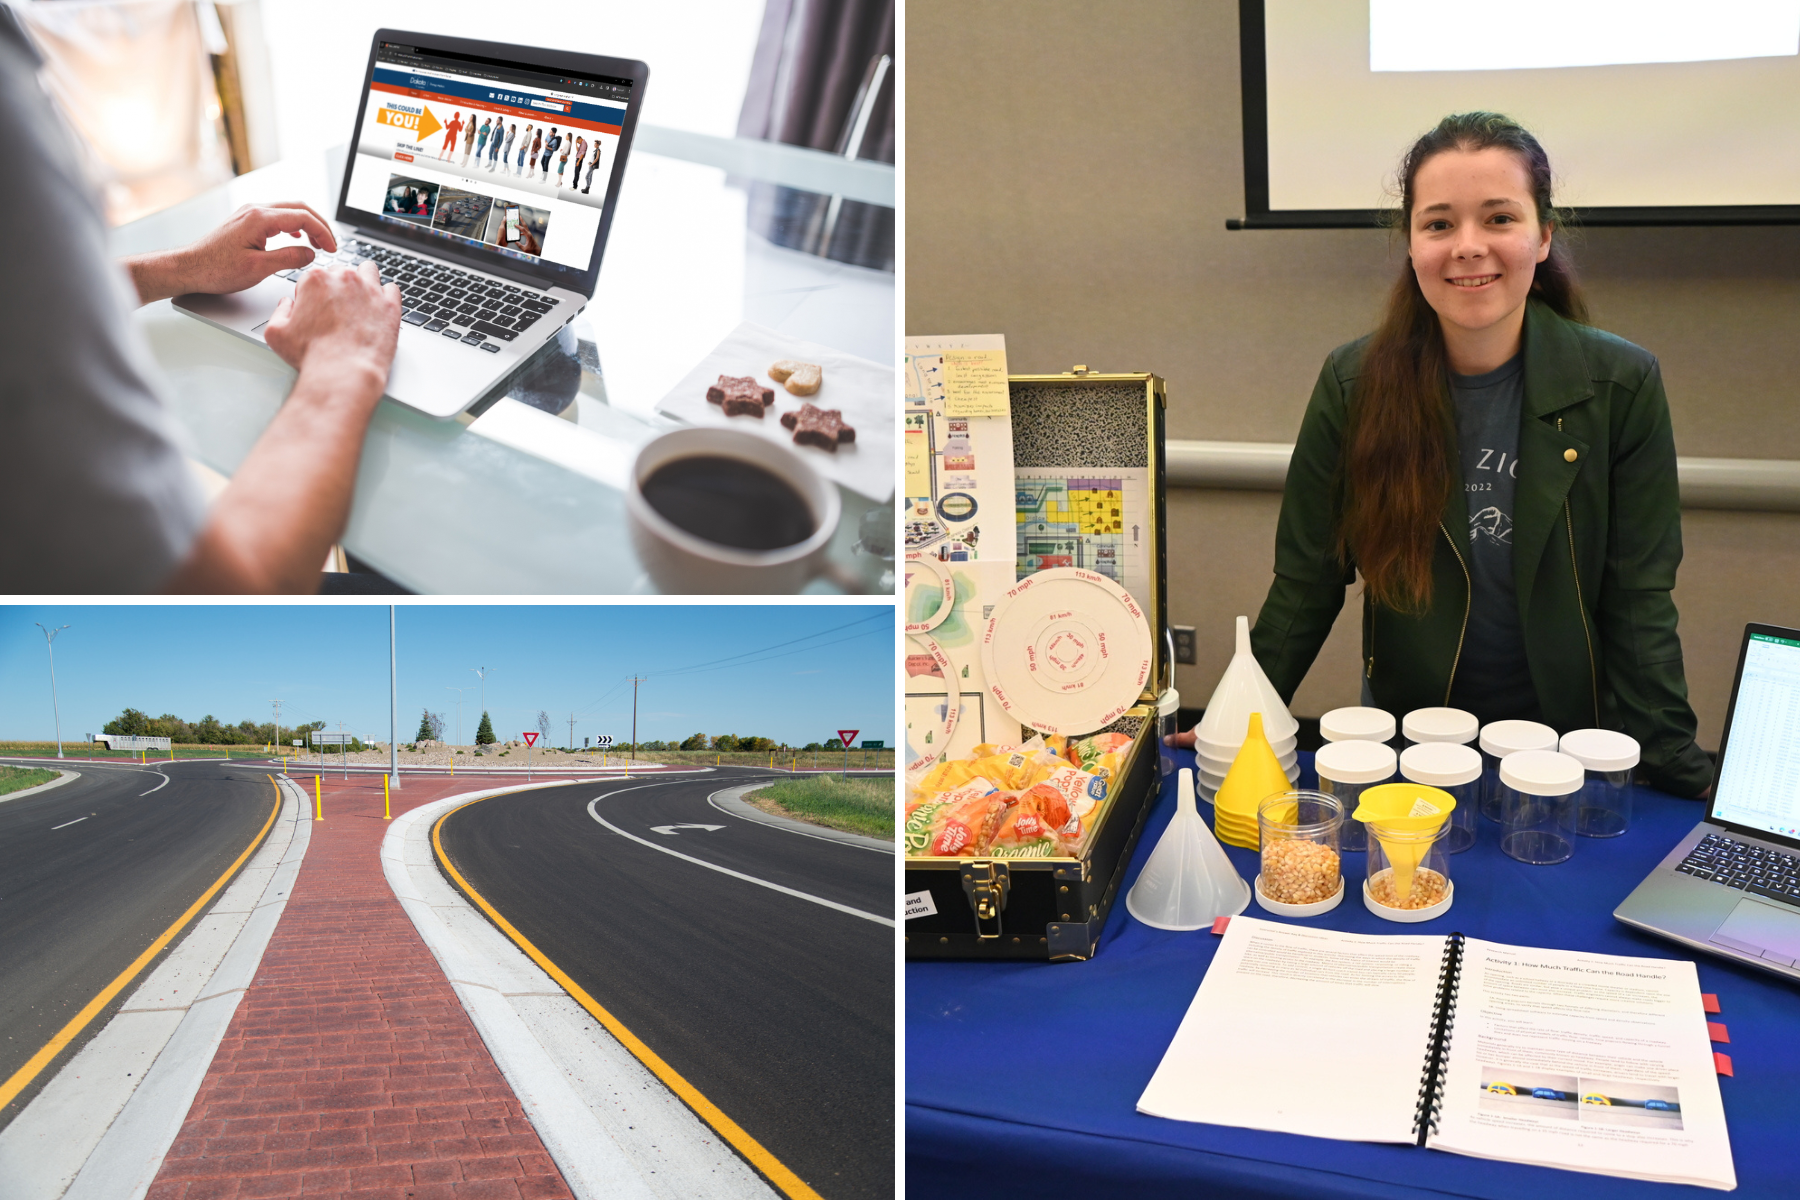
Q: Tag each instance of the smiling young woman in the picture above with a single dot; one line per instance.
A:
(1501, 474)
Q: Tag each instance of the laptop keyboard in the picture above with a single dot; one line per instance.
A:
(438, 298)
(1759, 870)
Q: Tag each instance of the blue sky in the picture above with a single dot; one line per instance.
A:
(330, 662)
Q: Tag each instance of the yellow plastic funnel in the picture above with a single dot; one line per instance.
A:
(1255, 775)
(1405, 819)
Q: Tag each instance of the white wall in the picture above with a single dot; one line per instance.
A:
(699, 53)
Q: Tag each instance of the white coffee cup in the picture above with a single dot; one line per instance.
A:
(683, 563)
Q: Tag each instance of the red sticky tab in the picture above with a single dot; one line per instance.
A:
(1722, 1063)
(1716, 1031)
(1219, 926)
(1709, 1001)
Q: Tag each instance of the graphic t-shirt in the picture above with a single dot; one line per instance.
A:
(1492, 678)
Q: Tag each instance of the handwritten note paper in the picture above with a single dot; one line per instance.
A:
(975, 384)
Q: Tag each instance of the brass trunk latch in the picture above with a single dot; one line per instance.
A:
(986, 883)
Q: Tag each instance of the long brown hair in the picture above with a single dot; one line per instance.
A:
(1397, 442)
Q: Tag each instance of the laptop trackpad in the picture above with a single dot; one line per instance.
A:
(1757, 928)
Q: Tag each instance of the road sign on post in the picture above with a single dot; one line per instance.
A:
(531, 738)
(847, 736)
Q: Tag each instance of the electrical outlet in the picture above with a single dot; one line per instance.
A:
(1184, 644)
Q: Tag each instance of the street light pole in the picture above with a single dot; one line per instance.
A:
(55, 710)
(459, 692)
(481, 673)
(278, 704)
(393, 705)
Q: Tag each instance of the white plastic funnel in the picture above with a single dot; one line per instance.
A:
(1188, 882)
(1242, 690)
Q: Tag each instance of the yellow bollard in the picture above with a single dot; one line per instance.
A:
(387, 810)
(318, 801)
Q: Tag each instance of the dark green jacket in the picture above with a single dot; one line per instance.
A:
(1596, 542)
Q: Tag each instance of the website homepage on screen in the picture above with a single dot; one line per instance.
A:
(513, 160)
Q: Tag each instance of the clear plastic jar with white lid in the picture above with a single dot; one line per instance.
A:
(1457, 770)
(1302, 874)
(1610, 759)
(1499, 739)
(1439, 725)
(1344, 770)
(1357, 724)
(1538, 794)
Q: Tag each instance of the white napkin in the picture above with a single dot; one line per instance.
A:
(862, 390)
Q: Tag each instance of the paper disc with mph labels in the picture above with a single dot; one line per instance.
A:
(930, 593)
(928, 743)
(1066, 651)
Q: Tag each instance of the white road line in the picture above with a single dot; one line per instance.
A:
(66, 824)
(159, 787)
(700, 862)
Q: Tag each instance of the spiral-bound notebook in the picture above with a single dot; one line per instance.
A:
(1587, 1062)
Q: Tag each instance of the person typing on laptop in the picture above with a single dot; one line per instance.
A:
(97, 494)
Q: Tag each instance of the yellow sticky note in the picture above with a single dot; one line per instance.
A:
(975, 384)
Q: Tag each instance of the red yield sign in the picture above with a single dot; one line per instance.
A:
(846, 736)
(531, 739)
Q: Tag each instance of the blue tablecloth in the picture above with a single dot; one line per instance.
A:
(1022, 1079)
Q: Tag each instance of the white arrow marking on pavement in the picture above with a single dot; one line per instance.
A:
(700, 862)
(669, 830)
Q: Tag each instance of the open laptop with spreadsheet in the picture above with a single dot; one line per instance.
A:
(482, 179)
(1732, 886)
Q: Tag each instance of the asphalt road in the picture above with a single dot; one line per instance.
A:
(79, 903)
(779, 1010)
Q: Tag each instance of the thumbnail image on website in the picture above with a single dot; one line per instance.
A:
(487, 162)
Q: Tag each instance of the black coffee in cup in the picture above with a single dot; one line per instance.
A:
(729, 501)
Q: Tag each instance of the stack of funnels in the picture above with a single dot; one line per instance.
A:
(1243, 690)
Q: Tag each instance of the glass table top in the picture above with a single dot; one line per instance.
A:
(523, 494)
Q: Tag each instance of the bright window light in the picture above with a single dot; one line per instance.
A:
(1436, 35)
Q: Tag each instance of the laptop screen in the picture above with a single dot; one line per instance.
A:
(1759, 778)
(509, 160)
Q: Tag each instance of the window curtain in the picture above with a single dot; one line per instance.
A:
(135, 80)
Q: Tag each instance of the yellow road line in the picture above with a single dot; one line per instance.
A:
(753, 1150)
(22, 1078)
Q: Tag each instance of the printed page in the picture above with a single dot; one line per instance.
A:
(1288, 1018)
(1589, 1062)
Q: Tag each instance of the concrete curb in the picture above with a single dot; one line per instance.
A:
(100, 1129)
(613, 1128)
(731, 801)
(62, 778)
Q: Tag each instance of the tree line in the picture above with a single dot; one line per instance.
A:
(431, 728)
(210, 731)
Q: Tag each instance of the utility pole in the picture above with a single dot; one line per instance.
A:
(459, 691)
(635, 680)
(55, 712)
(571, 733)
(277, 704)
(393, 705)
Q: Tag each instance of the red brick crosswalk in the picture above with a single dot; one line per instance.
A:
(350, 1068)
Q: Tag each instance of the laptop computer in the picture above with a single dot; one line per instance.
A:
(1731, 887)
(482, 178)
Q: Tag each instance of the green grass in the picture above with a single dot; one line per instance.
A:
(17, 779)
(852, 805)
(76, 751)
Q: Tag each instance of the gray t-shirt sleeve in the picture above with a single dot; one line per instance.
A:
(96, 494)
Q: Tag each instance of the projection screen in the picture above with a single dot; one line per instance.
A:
(1654, 112)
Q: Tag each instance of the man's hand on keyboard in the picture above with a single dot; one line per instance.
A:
(231, 257)
(344, 318)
